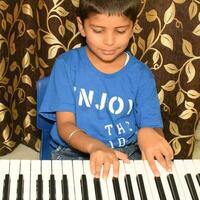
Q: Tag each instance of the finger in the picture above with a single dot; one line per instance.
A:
(167, 158)
(116, 168)
(153, 167)
(171, 153)
(169, 164)
(106, 169)
(161, 159)
(92, 167)
(122, 156)
(169, 150)
(98, 167)
(143, 156)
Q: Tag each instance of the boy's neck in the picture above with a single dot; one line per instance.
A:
(107, 67)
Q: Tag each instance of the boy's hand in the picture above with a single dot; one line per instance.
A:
(154, 147)
(106, 157)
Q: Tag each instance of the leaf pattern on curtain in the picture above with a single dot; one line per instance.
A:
(34, 32)
(167, 37)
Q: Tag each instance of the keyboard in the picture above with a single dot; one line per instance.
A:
(72, 180)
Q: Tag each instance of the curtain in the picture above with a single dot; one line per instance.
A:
(34, 32)
(167, 38)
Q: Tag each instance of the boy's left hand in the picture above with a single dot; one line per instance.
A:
(155, 147)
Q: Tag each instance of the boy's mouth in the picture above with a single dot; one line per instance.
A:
(108, 52)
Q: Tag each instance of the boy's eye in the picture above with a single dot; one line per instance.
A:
(97, 30)
(121, 31)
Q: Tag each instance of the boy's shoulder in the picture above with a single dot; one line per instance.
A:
(137, 64)
(71, 54)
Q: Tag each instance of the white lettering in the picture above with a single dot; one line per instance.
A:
(120, 128)
(122, 142)
(87, 99)
(121, 105)
(130, 101)
(115, 104)
(128, 124)
(109, 127)
(111, 144)
(102, 103)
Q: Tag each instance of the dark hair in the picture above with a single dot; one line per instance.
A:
(128, 8)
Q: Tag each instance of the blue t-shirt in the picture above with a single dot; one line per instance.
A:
(108, 107)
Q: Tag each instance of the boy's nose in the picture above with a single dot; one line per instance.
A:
(109, 39)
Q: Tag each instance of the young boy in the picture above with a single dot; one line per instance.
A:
(105, 99)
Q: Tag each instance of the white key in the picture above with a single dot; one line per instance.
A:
(140, 169)
(78, 171)
(178, 182)
(121, 178)
(111, 192)
(57, 172)
(25, 170)
(197, 165)
(163, 177)
(179, 166)
(3, 171)
(130, 169)
(152, 182)
(90, 179)
(35, 171)
(190, 168)
(14, 174)
(46, 171)
(68, 170)
(104, 187)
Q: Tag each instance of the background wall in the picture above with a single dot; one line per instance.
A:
(34, 32)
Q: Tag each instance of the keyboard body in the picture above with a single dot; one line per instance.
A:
(72, 180)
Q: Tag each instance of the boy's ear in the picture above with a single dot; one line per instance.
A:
(80, 26)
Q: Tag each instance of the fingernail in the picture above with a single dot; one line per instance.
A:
(157, 174)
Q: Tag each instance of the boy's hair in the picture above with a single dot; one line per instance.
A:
(128, 8)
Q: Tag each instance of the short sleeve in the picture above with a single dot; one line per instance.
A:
(147, 106)
(59, 94)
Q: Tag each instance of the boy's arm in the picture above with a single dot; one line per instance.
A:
(159, 131)
(80, 141)
(99, 153)
(154, 147)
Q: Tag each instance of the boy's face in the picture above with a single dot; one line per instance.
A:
(106, 36)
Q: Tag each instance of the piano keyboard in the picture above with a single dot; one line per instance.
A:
(72, 180)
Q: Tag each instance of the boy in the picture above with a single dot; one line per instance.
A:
(105, 100)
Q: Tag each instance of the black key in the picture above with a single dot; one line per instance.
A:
(97, 187)
(6, 187)
(172, 185)
(116, 188)
(141, 187)
(65, 191)
(160, 189)
(129, 187)
(39, 188)
(52, 188)
(198, 178)
(20, 187)
(191, 186)
(84, 187)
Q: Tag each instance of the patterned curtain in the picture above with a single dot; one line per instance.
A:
(167, 38)
(34, 32)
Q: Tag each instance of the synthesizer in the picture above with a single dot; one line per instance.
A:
(72, 180)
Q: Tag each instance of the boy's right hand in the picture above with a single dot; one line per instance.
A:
(104, 158)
